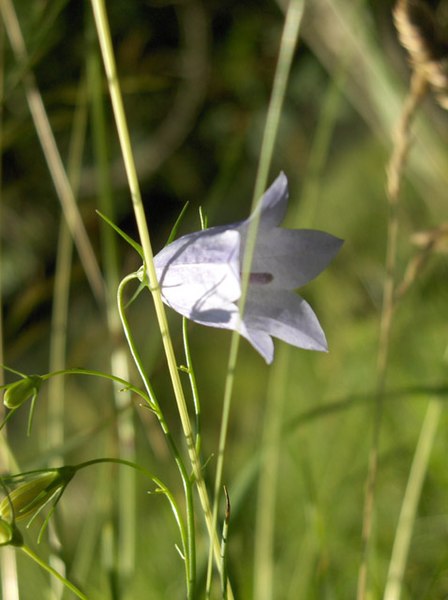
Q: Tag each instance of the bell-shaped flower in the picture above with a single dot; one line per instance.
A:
(200, 276)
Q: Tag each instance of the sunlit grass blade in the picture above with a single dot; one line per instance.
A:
(412, 496)
(287, 45)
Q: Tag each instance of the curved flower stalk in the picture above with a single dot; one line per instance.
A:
(200, 276)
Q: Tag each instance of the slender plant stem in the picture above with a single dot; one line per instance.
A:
(268, 477)
(55, 434)
(394, 178)
(193, 384)
(403, 534)
(59, 318)
(224, 546)
(53, 572)
(123, 133)
(93, 373)
(287, 47)
(161, 487)
(126, 484)
(190, 550)
(103, 31)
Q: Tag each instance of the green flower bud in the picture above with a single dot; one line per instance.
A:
(29, 498)
(20, 391)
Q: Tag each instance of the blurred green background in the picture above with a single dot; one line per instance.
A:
(196, 79)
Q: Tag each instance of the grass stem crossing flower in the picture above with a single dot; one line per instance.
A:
(200, 275)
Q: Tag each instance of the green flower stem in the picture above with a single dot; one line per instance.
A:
(53, 572)
(271, 440)
(193, 384)
(105, 41)
(224, 538)
(190, 554)
(94, 461)
(94, 373)
(161, 488)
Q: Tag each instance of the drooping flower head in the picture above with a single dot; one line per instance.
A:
(200, 275)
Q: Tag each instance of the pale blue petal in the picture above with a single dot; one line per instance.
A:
(224, 317)
(284, 315)
(200, 272)
(228, 318)
(293, 256)
(272, 205)
(262, 342)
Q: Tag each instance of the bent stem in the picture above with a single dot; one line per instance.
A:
(92, 372)
(161, 487)
(53, 572)
(190, 549)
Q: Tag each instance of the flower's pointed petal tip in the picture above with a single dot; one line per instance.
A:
(338, 243)
(273, 203)
(318, 346)
(262, 342)
(334, 246)
(317, 339)
(321, 347)
(311, 340)
(329, 244)
(277, 193)
(282, 179)
(284, 315)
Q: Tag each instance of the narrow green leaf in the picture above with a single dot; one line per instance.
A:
(120, 232)
(176, 225)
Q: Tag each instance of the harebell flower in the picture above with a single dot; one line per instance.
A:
(200, 276)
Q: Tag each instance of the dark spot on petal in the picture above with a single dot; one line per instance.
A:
(260, 278)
